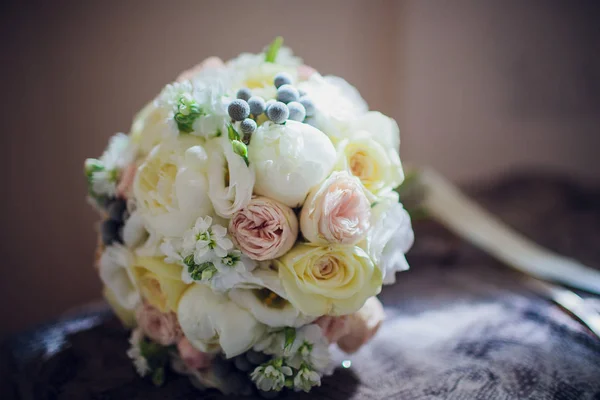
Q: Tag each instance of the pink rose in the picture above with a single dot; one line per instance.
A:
(265, 229)
(193, 358)
(336, 212)
(210, 62)
(334, 328)
(163, 328)
(362, 325)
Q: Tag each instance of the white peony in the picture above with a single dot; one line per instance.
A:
(336, 102)
(289, 160)
(231, 181)
(171, 187)
(115, 272)
(390, 237)
(211, 321)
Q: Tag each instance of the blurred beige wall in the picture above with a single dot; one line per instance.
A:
(478, 87)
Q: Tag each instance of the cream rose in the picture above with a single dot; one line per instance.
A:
(211, 321)
(231, 181)
(378, 168)
(171, 187)
(161, 327)
(289, 160)
(265, 229)
(390, 237)
(336, 212)
(159, 283)
(328, 280)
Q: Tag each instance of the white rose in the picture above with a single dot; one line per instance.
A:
(231, 181)
(171, 187)
(289, 160)
(115, 272)
(384, 130)
(390, 237)
(211, 321)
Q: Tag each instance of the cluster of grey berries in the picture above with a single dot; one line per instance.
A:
(290, 104)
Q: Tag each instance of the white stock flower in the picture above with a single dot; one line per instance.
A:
(390, 237)
(306, 378)
(205, 241)
(207, 254)
(311, 347)
(115, 272)
(103, 174)
(289, 160)
(197, 107)
(171, 186)
(231, 181)
(271, 375)
(211, 321)
(135, 353)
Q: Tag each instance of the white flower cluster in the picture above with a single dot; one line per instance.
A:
(250, 199)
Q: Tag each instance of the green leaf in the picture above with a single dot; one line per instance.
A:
(273, 49)
(290, 336)
(158, 376)
(232, 133)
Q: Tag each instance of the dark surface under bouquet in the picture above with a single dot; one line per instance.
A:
(460, 325)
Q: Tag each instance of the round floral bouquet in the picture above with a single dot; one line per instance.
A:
(249, 221)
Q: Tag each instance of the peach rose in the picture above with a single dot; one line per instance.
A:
(126, 181)
(362, 326)
(193, 358)
(163, 328)
(336, 212)
(265, 229)
(334, 328)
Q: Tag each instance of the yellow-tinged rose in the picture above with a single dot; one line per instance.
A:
(160, 283)
(328, 280)
(127, 317)
(378, 168)
(171, 186)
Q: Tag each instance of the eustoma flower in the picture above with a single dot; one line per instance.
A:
(230, 180)
(336, 212)
(265, 229)
(390, 238)
(333, 280)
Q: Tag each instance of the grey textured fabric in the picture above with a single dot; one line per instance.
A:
(460, 325)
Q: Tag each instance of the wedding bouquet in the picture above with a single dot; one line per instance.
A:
(249, 221)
